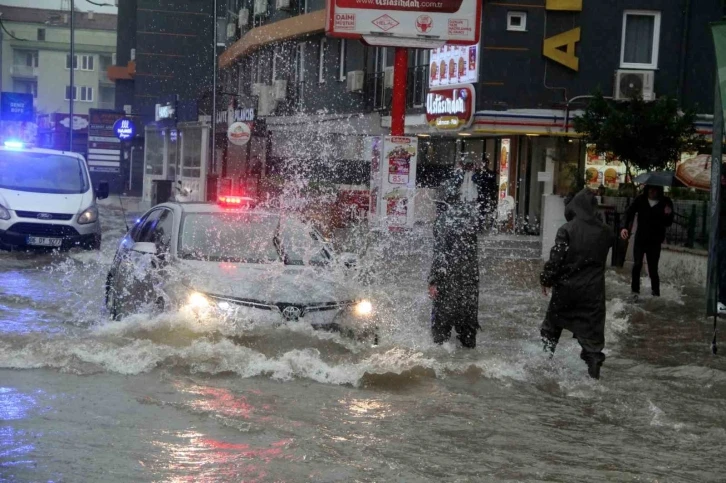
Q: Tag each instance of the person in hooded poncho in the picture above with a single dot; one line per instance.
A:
(454, 276)
(576, 273)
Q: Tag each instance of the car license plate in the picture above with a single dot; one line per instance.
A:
(42, 241)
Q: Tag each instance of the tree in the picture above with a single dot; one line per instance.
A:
(648, 135)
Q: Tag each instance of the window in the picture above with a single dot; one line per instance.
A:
(68, 61)
(87, 62)
(221, 31)
(68, 93)
(342, 72)
(31, 59)
(641, 37)
(321, 64)
(26, 87)
(517, 21)
(86, 94)
(105, 61)
(41, 34)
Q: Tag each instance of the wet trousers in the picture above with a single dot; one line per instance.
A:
(456, 309)
(651, 251)
(591, 348)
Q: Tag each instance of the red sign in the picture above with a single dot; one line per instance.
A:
(450, 108)
(439, 6)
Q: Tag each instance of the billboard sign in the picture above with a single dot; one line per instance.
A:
(450, 108)
(454, 64)
(16, 107)
(387, 22)
(104, 143)
(393, 181)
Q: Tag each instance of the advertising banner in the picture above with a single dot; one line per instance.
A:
(104, 147)
(454, 64)
(450, 108)
(393, 182)
(16, 107)
(452, 21)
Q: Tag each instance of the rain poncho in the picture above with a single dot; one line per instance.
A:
(455, 267)
(576, 272)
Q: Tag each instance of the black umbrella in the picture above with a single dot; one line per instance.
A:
(658, 178)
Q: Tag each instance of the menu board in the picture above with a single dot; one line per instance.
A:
(454, 64)
(393, 181)
(504, 168)
(603, 169)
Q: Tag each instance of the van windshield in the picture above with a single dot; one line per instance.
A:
(42, 173)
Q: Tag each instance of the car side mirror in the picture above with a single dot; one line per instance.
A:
(102, 191)
(147, 248)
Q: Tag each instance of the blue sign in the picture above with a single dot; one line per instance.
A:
(16, 107)
(124, 129)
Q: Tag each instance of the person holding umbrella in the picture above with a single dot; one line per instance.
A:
(655, 214)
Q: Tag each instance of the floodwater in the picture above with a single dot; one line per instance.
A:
(165, 398)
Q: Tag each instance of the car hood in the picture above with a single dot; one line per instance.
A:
(45, 202)
(274, 284)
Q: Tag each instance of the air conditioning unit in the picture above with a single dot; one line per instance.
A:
(282, 4)
(266, 103)
(280, 90)
(260, 7)
(355, 80)
(243, 20)
(257, 89)
(231, 30)
(634, 83)
(388, 77)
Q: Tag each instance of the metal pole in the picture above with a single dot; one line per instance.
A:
(214, 92)
(398, 103)
(72, 69)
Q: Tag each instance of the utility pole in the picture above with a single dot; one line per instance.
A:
(72, 69)
(214, 92)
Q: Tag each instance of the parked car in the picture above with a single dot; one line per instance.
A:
(46, 200)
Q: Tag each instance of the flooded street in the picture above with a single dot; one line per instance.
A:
(167, 398)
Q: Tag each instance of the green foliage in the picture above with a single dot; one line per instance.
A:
(648, 135)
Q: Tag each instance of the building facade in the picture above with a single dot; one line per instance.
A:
(166, 59)
(36, 59)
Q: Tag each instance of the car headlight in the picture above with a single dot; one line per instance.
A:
(4, 213)
(198, 301)
(364, 308)
(88, 216)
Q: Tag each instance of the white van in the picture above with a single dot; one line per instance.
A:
(46, 200)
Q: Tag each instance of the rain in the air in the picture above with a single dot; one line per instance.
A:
(362, 241)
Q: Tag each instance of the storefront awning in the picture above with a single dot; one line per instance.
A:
(290, 28)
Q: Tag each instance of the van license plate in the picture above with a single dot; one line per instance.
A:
(41, 241)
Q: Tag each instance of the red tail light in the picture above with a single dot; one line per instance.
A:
(231, 200)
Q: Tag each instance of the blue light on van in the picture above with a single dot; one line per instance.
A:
(14, 144)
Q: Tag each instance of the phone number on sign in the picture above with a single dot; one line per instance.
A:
(445, 6)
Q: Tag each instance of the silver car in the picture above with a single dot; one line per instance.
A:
(237, 262)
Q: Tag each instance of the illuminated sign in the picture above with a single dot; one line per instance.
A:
(124, 129)
(450, 108)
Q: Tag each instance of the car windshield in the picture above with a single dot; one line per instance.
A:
(229, 237)
(42, 173)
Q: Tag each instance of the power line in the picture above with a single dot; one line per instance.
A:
(100, 4)
(2, 24)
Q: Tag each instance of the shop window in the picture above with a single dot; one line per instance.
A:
(641, 38)
(191, 140)
(154, 152)
(517, 21)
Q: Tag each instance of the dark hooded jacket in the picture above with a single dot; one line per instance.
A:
(652, 220)
(576, 270)
(455, 266)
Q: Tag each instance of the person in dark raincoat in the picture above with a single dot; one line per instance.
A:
(655, 214)
(454, 276)
(576, 273)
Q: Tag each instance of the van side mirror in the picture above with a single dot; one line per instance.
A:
(146, 248)
(102, 190)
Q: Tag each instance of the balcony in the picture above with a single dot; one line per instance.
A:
(23, 71)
